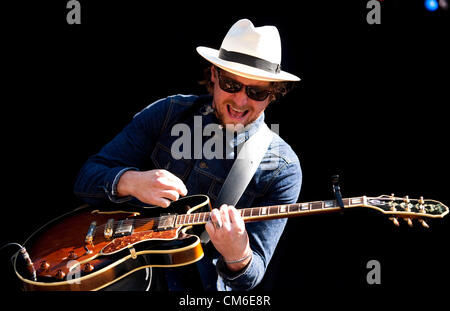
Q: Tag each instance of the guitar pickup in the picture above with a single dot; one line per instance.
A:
(124, 227)
(167, 221)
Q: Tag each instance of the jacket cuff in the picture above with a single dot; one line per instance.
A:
(112, 179)
(240, 280)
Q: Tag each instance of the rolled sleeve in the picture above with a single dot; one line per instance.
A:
(263, 237)
(99, 176)
(240, 280)
(111, 191)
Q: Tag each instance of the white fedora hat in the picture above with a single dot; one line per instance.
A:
(251, 52)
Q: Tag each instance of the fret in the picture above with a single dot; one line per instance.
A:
(304, 206)
(206, 217)
(293, 208)
(356, 201)
(316, 205)
(258, 211)
(329, 203)
(243, 212)
(273, 210)
(248, 212)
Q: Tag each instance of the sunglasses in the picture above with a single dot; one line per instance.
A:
(232, 86)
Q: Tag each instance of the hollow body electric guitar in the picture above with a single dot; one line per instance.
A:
(91, 248)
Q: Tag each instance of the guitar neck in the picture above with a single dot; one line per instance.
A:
(275, 211)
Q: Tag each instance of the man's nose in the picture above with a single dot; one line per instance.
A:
(241, 98)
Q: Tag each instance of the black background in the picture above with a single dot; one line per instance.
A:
(371, 107)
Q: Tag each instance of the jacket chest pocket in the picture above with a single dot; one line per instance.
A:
(162, 159)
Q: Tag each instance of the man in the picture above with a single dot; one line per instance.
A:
(141, 164)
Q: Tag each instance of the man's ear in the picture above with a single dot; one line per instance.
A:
(213, 74)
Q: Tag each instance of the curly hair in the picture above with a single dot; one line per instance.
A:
(280, 89)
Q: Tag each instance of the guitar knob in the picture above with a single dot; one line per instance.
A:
(44, 266)
(88, 267)
(72, 255)
(60, 275)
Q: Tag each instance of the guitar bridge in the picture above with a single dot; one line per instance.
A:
(89, 239)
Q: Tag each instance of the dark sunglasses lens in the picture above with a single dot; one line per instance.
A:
(257, 93)
(232, 86)
(229, 85)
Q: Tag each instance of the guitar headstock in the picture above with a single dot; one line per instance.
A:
(407, 208)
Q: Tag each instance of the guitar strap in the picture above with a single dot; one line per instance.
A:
(243, 169)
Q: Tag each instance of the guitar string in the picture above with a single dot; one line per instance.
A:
(189, 218)
(186, 220)
(203, 214)
(156, 221)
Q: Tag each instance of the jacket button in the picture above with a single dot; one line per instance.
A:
(203, 165)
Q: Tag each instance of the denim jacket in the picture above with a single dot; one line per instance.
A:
(146, 142)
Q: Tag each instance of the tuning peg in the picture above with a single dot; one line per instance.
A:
(422, 206)
(424, 224)
(395, 221)
(409, 222)
(406, 199)
(421, 201)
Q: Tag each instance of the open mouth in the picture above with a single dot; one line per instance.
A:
(236, 113)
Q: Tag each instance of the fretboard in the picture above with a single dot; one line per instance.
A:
(275, 211)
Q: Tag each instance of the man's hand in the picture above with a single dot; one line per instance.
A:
(155, 187)
(227, 232)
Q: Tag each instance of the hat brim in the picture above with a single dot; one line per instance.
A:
(212, 55)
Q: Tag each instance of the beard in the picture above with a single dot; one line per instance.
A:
(223, 113)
